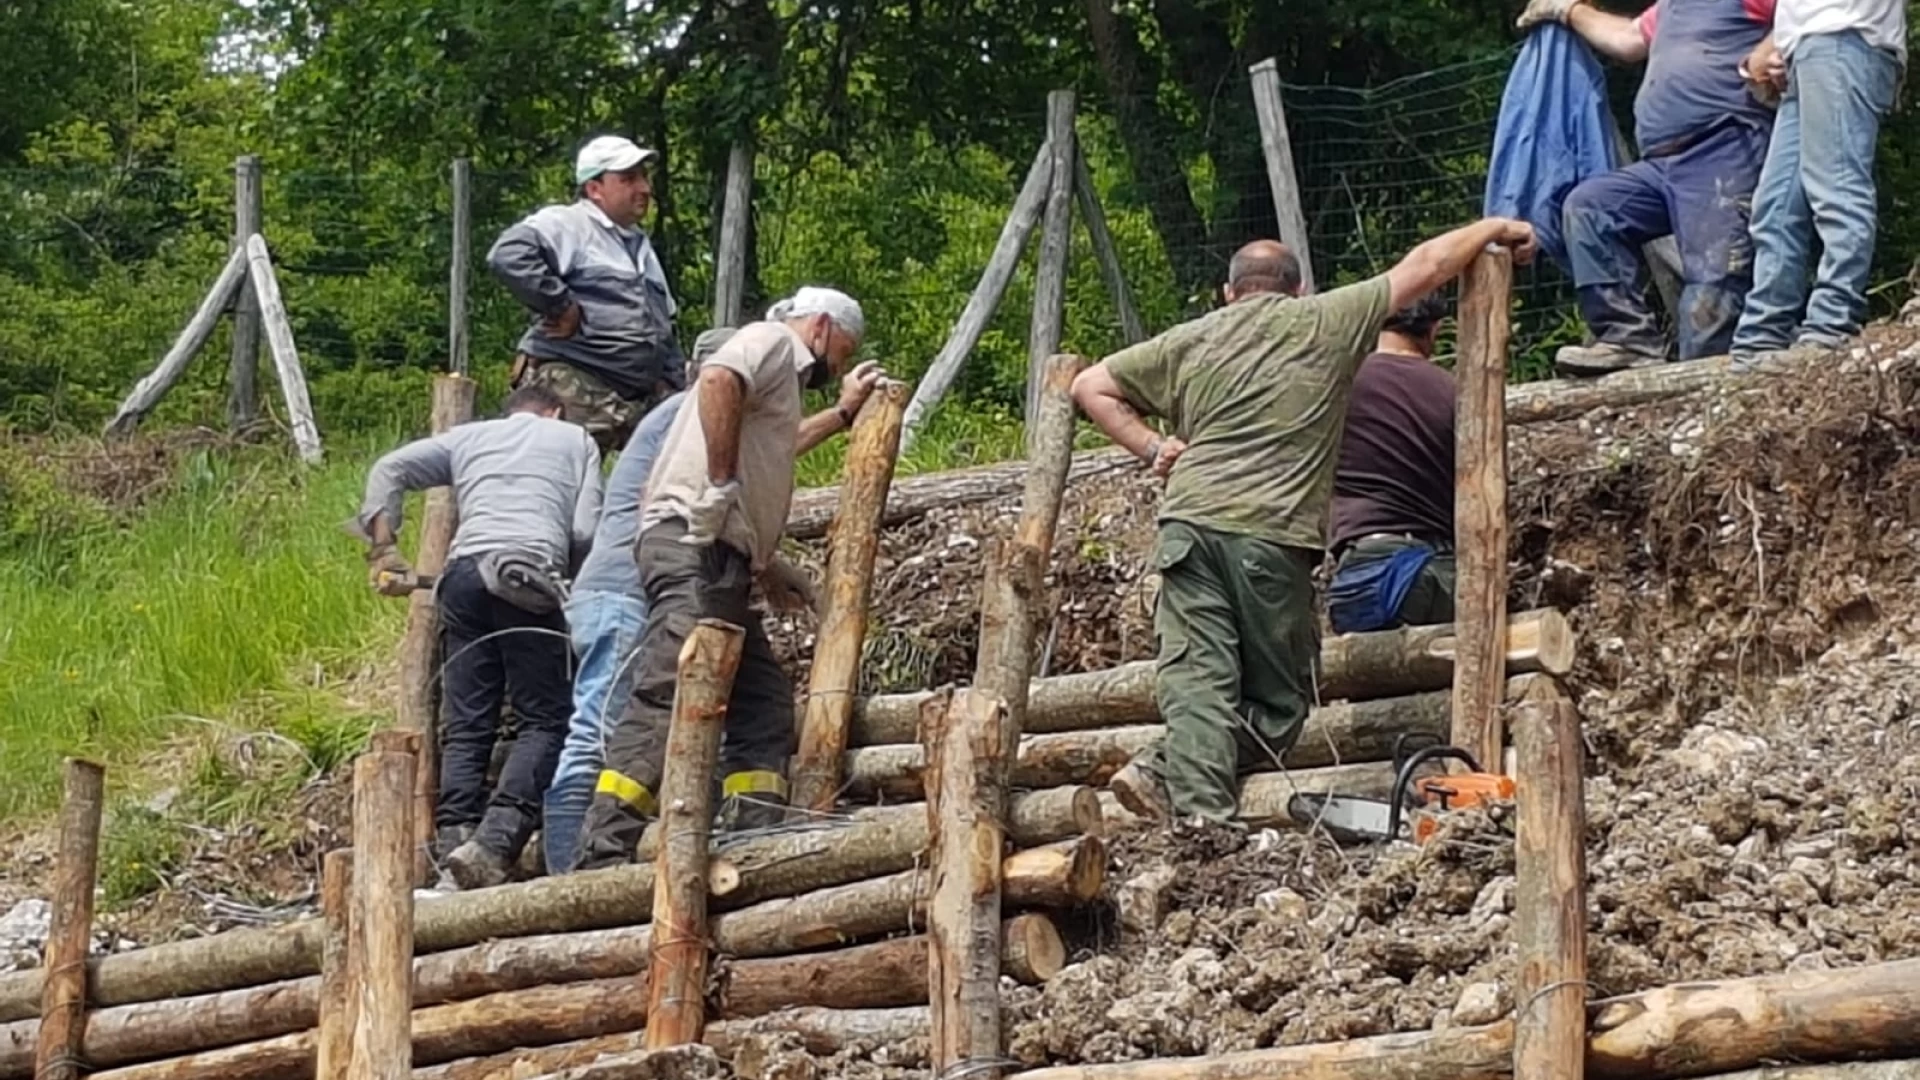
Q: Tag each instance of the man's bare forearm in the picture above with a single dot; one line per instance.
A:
(1614, 36)
(818, 428)
(1442, 259)
(722, 394)
(1094, 391)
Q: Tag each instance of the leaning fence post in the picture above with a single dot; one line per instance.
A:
(1056, 233)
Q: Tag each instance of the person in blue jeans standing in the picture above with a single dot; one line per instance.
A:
(1839, 64)
(605, 615)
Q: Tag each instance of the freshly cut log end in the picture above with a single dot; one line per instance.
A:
(1031, 949)
(1061, 875)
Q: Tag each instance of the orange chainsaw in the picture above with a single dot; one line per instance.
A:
(1410, 810)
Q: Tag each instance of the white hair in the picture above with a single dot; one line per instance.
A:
(843, 310)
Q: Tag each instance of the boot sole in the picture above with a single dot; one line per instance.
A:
(1139, 802)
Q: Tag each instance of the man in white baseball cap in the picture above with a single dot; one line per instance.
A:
(710, 524)
(603, 337)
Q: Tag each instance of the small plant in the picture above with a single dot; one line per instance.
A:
(139, 848)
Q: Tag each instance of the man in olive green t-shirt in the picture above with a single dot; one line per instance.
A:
(1256, 396)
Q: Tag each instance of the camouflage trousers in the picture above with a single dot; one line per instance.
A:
(587, 400)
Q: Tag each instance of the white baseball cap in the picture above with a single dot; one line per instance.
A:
(844, 310)
(608, 153)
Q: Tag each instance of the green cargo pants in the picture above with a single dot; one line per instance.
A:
(1234, 680)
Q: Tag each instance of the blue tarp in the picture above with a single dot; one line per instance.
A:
(1554, 131)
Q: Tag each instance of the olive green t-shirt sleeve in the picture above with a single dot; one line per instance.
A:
(1145, 373)
(1351, 317)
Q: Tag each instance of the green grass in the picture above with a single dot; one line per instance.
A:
(234, 602)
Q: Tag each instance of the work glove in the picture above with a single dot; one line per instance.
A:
(1539, 11)
(707, 515)
(388, 572)
(787, 587)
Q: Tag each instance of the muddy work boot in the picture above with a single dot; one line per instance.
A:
(751, 813)
(488, 858)
(1142, 791)
(1602, 358)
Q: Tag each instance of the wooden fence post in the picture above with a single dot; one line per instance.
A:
(1480, 507)
(286, 359)
(243, 379)
(1277, 147)
(1056, 234)
(1132, 330)
(852, 544)
(460, 267)
(381, 923)
(63, 994)
(420, 646)
(736, 215)
(148, 391)
(339, 977)
(1550, 896)
(985, 298)
(678, 961)
(967, 750)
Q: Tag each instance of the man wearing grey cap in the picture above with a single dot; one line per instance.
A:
(607, 609)
(603, 336)
(716, 504)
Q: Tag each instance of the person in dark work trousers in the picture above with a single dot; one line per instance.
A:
(527, 492)
(716, 505)
(1702, 136)
(1393, 490)
(1256, 395)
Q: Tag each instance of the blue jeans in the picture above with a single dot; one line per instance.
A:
(605, 627)
(1700, 195)
(1818, 180)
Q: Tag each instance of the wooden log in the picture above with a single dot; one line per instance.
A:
(1050, 266)
(146, 393)
(966, 745)
(1087, 197)
(243, 376)
(1033, 817)
(453, 398)
(677, 975)
(1550, 898)
(1357, 667)
(57, 1050)
(1563, 399)
(460, 264)
(1264, 797)
(851, 549)
(286, 360)
(985, 298)
(338, 975)
(730, 257)
(380, 927)
(1480, 506)
(1277, 148)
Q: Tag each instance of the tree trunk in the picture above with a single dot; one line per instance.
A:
(57, 1048)
(1355, 667)
(1033, 818)
(1480, 506)
(1550, 904)
(851, 549)
(677, 973)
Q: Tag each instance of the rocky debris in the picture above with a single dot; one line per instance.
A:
(23, 933)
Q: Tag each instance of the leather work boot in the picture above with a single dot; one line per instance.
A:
(1142, 792)
(752, 813)
(488, 858)
(1602, 358)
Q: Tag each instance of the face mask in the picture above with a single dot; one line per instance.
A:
(819, 374)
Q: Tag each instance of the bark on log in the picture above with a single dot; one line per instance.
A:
(1561, 399)
(1264, 796)
(1353, 667)
(966, 745)
(677, 973)
(1480, 505)
(1550, 905)
(872, 451)
(58, 1047)
(338, 972)
(380, 926)
(1363, 731)
(1033, 818)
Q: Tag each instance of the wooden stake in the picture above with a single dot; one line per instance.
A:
(453, 397)
(339, 978)
(1480, 506)
(63, 1002)
(460, 266)
(1056, 236)
(381, 920)
(1132, 330)
(966, 804)
(736, 215)
(243, 378)
(286, 360)
(148, 391)
(851, 548)
(1277, 147)
(1550, 900)
(677, 976)
(985, 298)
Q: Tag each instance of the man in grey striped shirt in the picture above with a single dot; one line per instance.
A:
(527, 490)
